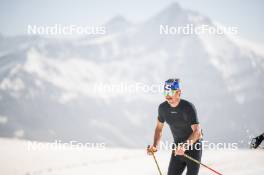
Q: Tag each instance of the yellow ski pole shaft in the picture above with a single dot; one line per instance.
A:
(154, 157)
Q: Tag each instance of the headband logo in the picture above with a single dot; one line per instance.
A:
(167, 87)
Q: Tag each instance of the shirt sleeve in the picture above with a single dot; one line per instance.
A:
(193, 115)
(161, 115)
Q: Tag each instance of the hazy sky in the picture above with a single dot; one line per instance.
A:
(15, 15)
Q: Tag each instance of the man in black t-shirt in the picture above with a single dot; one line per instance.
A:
(182, 119)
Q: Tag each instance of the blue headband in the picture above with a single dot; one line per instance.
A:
(171, 84)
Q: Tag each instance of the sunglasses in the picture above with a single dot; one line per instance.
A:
(169, 93)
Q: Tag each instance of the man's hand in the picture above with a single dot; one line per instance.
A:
(180, 150)
(151, 149)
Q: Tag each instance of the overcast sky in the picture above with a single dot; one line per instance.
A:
(15, 15)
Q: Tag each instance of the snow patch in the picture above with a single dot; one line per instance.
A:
(116, 161)
(3, 119)
(15, 84)
(19, 133)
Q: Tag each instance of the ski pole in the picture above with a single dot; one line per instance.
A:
(153, 155)
(196, 161)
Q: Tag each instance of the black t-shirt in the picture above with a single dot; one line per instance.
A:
(179, 119)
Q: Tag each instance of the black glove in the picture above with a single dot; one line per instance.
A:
(255, 142)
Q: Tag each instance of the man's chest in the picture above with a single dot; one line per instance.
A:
(176, 117)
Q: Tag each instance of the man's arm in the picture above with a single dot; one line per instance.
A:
(158, 133)
(157, 137)
(196, 134)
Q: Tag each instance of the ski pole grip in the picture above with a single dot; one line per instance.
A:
(149, 147)
(150, 150)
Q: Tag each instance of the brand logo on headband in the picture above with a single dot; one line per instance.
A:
(167, 87)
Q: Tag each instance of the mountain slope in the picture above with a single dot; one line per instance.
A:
(53, 88)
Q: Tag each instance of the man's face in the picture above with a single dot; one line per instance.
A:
(173, 97)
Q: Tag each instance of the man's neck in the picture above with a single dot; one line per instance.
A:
(175, 104)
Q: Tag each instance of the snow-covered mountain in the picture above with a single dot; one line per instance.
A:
(51, 88)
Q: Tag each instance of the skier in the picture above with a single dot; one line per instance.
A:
(182, 119)
(255, 142)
